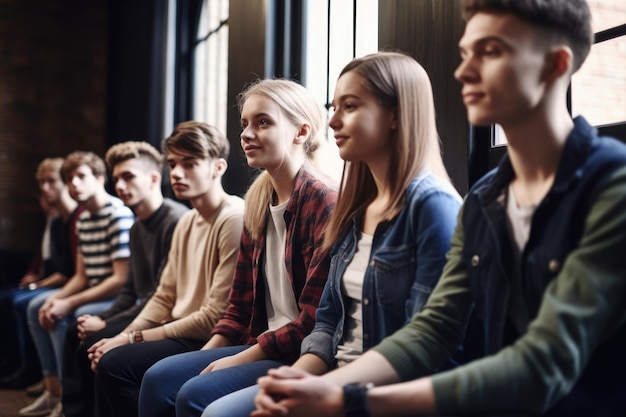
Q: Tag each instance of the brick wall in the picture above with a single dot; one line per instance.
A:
(53, 57)
(598, 88)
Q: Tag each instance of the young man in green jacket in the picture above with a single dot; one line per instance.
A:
(534, 286)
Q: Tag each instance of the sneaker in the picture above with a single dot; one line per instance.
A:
(57, 411)
(42, 406)
(36, 390)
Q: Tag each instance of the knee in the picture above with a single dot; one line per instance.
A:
(237, 404)
(213, 410)
(152, 401)
(187, 398)
(32, 313)
(32, 310)
(157, 379)
(186, 392)
(108, 366)
(20, 303)
(151, 378)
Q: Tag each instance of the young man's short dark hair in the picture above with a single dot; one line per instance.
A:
(568, 21)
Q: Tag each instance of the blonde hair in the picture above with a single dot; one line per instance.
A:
(49, 165)
(133, 150)
(402, 85)
(299, 106)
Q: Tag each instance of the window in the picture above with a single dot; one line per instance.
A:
(211, 64)
(596, 85)
(336, 32)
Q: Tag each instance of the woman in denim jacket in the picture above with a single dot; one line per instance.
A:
(394, 218)
(395, 215)
(406, 256)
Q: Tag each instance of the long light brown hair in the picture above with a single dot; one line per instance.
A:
(402, 85)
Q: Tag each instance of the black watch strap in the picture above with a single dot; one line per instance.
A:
(355, 399)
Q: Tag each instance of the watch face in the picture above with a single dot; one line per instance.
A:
(355, 400)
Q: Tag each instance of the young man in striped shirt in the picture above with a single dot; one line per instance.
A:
(101, 270)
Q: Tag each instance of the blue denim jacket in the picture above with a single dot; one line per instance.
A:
(407, 256)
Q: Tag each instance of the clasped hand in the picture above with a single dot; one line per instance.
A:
(88, 324)
(287, 391)
(98, 349)
(52, 311)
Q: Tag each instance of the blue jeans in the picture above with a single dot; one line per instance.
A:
(238, 404)
(173, 386)
(50, 344)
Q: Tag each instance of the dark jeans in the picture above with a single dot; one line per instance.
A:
(121, 370)
(18, 346)
(78, 378)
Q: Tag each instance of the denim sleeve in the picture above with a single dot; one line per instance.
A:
(320, 341)
(423, 345)
(433, 225)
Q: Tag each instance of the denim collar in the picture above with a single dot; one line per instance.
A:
(577, 147)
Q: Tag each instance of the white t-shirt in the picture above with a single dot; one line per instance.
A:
(352, 291)
(280, 300)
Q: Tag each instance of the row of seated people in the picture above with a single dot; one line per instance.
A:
(378, 273)
(233, 289)
(53, 262)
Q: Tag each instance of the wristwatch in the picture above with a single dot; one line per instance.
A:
(355, 399)
(137, 336)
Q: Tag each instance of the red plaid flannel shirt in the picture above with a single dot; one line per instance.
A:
(245, 320)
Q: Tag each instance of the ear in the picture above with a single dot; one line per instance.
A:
(220, 165)
(155, 177)
(394, 119)
(558, 63)
(303, 133)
